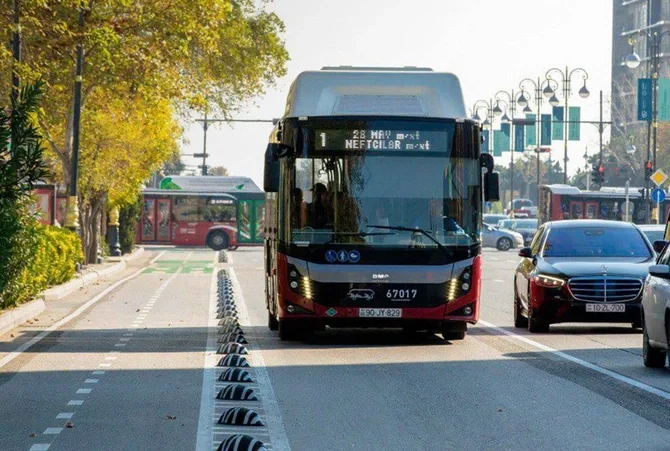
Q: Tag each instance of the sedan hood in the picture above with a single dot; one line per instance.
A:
(588, 266)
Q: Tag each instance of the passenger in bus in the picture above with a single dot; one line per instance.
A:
(321, 206)
(298, 212)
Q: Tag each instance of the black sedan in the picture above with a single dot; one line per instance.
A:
(581, 271)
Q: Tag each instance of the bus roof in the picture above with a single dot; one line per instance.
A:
(209, 184)
(350, 91)
(613, 192)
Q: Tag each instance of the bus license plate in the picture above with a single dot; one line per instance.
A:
(609, 308)
(380, 313)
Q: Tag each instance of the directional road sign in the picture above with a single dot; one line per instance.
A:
(659, 177)
(658, 195)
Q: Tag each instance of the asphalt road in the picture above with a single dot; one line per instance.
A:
(127, 374)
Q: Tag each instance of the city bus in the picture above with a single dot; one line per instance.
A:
(558, 202)
(220, 212)
(375, 182)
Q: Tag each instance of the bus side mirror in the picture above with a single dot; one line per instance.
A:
(271, 170)
(279, 151)
(491, 187)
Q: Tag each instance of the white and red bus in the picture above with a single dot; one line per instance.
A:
(220, 212)
(374, 189)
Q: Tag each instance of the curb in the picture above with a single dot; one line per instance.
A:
(17, 316)
(60, 291)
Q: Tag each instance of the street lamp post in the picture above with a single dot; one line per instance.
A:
(512, 101)
(72, 211)
(491, 113)
(566, 78)
(632, 61)
(539, 87)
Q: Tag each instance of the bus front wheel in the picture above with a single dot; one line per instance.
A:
(454, 331)
(273, 324)
(217, 241)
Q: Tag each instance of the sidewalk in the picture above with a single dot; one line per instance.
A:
(58, 302)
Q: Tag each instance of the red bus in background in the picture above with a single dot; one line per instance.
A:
(558, 202)
(220, 212)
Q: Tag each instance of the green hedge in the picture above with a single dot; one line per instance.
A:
(48, 256)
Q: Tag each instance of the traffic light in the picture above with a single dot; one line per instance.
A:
(649, 169)
(598, 174)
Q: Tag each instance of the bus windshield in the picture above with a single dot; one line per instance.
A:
(341, 198)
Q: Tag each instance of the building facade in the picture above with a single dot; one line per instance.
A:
(629, 18)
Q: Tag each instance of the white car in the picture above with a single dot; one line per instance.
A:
(656, 310)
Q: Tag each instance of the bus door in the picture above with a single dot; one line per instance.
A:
(576, 210)
(156, 222)
(591, 210)
(251, 220)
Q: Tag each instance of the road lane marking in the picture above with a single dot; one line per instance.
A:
(91, 381)
(120, 345)
(580, 362)
(75, 402)
(204, 439)
(27, 345)
(52, 431)
(84, 391)
(275, 423)
(105, 365)
(124, 339)
(40, 447)
(64, 415)
(98, 373)
(111, 358)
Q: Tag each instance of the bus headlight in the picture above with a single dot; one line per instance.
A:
(459, 285)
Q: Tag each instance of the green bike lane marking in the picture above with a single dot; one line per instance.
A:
(187, 267)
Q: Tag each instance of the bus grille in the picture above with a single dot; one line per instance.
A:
(605, 289)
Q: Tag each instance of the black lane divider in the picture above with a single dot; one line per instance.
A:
(236, 376)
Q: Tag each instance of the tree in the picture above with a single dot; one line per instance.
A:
(20, 169)
(180, 54)
(219, 170)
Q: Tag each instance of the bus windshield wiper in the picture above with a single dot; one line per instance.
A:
(361, 234)
(442, 247)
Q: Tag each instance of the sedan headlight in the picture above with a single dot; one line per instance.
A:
(546, 281)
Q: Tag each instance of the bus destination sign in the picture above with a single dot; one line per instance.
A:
(382, 140)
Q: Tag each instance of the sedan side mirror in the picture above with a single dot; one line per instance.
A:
(659, 246)
(526, 252)
(662, 271)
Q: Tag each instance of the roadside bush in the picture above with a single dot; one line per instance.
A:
(48, 256)
(128, 217)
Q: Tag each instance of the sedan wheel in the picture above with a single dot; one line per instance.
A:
(652, 357)
(536, 325)
(504, 244)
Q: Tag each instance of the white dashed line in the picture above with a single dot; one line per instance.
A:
(91, 381)
(120, 345)
(111, 358)
(75, 402)
(84, 391)
(626, 380)
(52, 431)
(12, 355)
(40, 447)
(98, 373)
(128, 335)
(64, 415)
(124, 339)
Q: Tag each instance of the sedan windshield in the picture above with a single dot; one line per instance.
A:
(595, 242)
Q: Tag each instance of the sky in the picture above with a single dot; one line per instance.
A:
(491, 45)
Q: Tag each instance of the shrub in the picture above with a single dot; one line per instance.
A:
(128, 217)
(49, 257)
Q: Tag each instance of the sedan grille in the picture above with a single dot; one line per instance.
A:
(605, 288)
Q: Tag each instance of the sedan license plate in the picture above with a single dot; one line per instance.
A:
(380, 313)
(609, 308)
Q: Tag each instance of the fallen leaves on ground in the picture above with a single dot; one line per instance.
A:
(69, 425)
(172, 417)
